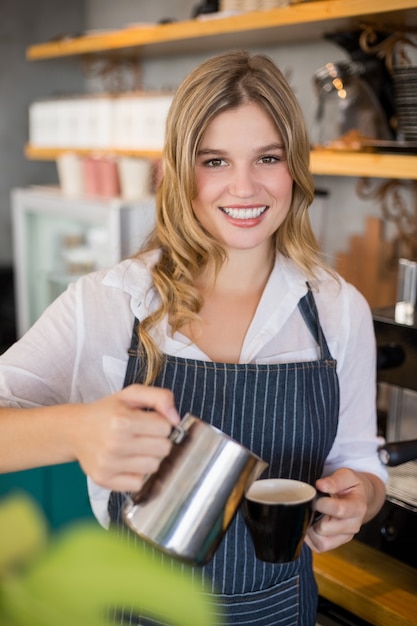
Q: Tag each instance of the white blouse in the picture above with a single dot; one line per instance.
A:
(77, 350)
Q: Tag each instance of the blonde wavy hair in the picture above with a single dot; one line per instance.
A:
(219, 84)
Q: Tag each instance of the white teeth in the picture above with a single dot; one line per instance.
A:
(244, 214)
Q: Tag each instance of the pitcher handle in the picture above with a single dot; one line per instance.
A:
(177, 434)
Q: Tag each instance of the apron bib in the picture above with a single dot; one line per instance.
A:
(287, 414)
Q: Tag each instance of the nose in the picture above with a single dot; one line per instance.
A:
(243, 182)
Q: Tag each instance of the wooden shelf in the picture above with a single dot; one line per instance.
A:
(306, 20)
(51, 154)
(367, 164)
(323, 162)
(368, 583)
(302, 21)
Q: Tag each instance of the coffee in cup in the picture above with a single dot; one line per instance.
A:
(278, 512)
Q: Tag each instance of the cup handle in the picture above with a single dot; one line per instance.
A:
(317, 515)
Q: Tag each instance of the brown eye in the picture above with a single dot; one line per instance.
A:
(214, 162)
(269, 159)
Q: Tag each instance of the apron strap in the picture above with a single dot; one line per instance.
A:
(133, 361)
(308, 309)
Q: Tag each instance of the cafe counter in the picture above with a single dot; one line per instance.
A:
(368, 583)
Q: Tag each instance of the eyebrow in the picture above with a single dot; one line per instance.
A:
(270, 146)
(267, 148)
(210, 151)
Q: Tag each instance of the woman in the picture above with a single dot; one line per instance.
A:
(236, 318)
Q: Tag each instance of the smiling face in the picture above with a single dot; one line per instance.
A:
(244, 188)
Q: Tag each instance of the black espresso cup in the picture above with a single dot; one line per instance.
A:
(278, 512)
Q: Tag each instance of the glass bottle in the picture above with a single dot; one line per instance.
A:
(346, 106)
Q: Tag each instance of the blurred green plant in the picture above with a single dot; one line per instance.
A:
(74, 577)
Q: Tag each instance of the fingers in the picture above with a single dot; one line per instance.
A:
(143, 412)
(159, 400)
(337, 525)
(158, 446)
(343, 512)
(124, 437)
(342, 482)
(126, 425)
(123, 468)
(125, 483)
(134, 447)
(319, 539)
(128, 476)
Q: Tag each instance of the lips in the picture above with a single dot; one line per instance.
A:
(249, 213)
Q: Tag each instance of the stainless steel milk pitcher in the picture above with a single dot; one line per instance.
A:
(186, 507)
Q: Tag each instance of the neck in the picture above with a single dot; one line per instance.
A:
(244, 271)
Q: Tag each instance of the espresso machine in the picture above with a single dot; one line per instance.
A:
(393, 530)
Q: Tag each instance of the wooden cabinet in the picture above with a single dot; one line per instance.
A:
(302, 21)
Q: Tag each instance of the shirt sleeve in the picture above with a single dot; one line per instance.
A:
(356, 441)
(75, 352)
(38, 369)
(43, 367)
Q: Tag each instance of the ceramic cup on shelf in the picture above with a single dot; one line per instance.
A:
(109, 180)
(101, 176)
(70, 174)
(91, 175)
(135, 177)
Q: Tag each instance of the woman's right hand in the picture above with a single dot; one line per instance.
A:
(121, 438)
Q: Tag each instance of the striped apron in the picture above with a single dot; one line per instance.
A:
(286, 413)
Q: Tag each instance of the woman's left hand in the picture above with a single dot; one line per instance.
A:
(355, 497)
